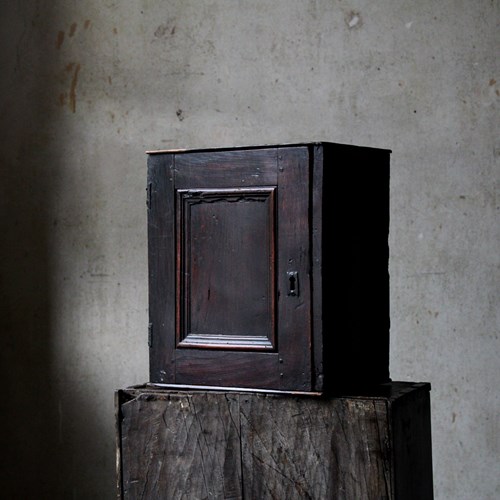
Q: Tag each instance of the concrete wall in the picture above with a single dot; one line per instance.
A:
(87, 86)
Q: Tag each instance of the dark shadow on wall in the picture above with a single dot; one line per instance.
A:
(29, 415)
(29, 427)
(33, 458)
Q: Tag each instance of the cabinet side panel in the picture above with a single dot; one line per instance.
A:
(355, 262)
(161, 262)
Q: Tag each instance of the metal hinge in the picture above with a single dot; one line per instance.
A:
(150, 334)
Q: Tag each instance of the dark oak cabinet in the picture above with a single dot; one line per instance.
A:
(268, 266)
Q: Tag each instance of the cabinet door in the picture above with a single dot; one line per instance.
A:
(229, 268)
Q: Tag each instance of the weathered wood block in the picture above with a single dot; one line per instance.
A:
(174, 444)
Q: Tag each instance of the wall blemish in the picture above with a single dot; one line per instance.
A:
(72, 92)
(353, 20)
(60, 39)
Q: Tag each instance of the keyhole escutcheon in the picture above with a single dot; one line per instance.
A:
(293, 283)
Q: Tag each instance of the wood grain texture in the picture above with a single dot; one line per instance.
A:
(161, 267)
(294, 312)
(226, 169)
(180, 446)
(227, 290)
(235, 445)
(314, 448)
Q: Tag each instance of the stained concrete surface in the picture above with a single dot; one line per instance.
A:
(87, 87)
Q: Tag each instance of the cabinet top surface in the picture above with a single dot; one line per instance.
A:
(261, 146)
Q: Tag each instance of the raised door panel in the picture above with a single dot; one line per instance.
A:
(225, 261)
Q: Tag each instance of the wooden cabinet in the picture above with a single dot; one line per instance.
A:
(268, 266)
(174, 444)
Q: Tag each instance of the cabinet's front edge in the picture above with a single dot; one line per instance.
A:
(161, 268)
(316, 214)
